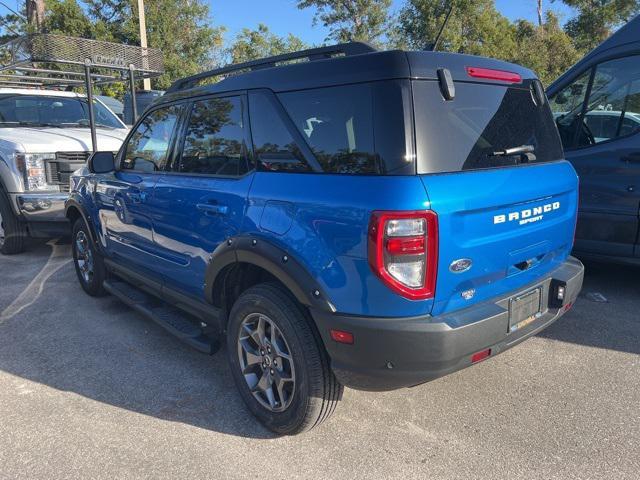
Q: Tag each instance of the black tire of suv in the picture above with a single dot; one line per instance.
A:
(94, 286)
(317, 391)
(15, 233)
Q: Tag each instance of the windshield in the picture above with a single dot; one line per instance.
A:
(484, 126)
(43, 111)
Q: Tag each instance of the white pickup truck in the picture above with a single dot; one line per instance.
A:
(44, 137)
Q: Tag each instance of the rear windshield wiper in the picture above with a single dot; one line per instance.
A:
(525, 152)
(514, 151)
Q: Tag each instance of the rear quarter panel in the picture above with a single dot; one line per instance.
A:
(321, 220)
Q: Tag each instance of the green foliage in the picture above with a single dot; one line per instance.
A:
(597, 19)
(475, 27)
(254, 44)
(181, 29)
(547, 50)
(351, 20)
(66, 17)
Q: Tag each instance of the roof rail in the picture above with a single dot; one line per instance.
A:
(319, 53)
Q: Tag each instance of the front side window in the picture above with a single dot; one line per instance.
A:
(53, 111)
(566, 106)
(613, 108)
(215, 139)
(148, 147)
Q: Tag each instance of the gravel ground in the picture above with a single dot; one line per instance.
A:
(89, 389)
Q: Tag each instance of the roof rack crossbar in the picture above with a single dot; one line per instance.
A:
(32, 78)
(58, 72)
(319, 53)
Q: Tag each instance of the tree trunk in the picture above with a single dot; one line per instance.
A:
(35, 14)
(540, 12)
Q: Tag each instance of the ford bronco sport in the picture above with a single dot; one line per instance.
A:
(339, 217)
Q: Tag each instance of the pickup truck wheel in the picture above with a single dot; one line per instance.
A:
(278, 361)
(12, 233)
(87, 260)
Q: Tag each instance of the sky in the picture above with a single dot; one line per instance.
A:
(283, 17)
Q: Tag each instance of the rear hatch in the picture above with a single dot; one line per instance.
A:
(506, 217)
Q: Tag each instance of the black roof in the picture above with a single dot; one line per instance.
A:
(363, 65)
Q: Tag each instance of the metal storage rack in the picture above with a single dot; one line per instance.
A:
(58, 61)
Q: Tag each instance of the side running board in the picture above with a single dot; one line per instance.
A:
(170, 318)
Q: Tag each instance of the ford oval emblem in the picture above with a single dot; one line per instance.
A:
(460, 265)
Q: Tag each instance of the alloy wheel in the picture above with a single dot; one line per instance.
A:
(266, 362)
(84, 256)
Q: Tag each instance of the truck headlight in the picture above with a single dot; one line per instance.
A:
(33, 168)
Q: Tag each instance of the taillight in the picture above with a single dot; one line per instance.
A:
(403, 251)
(491, 74)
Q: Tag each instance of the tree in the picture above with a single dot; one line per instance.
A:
(475, 27)
(260, 43)
(181, 30)
(351, 20)
(597, 19)
(66, 17)
(547, 50)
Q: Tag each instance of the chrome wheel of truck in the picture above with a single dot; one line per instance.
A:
(266, 362)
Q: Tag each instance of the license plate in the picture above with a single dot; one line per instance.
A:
(524, 309)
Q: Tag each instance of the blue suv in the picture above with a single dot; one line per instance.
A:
(338, 217)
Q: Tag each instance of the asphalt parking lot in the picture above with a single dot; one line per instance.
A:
(89, 389)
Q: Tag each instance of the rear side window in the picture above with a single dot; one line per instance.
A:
(355, 129)
(274, 146)
(475, 129)
(215, 139)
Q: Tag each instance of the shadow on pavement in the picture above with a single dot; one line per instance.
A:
(613, 324)
(99, 349)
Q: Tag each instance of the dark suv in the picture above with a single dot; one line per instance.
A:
(596, 105)
(338, 216)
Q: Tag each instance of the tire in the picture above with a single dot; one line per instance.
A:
(13, 233)
(314, 393)
(88, 262)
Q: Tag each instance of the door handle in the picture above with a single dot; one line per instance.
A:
(631, 158)
(212, 208)
(139, 197)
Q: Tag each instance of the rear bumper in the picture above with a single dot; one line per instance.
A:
(391, 353)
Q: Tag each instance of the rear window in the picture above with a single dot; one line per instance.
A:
(473, 130)
(355, 129)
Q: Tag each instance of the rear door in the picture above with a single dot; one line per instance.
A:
(598, 117)
(202, 201)
(511, 216)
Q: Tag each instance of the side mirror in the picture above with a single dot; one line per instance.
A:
(101, 162)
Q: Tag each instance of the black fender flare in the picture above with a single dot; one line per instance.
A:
(278, 262)
(75, 202)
